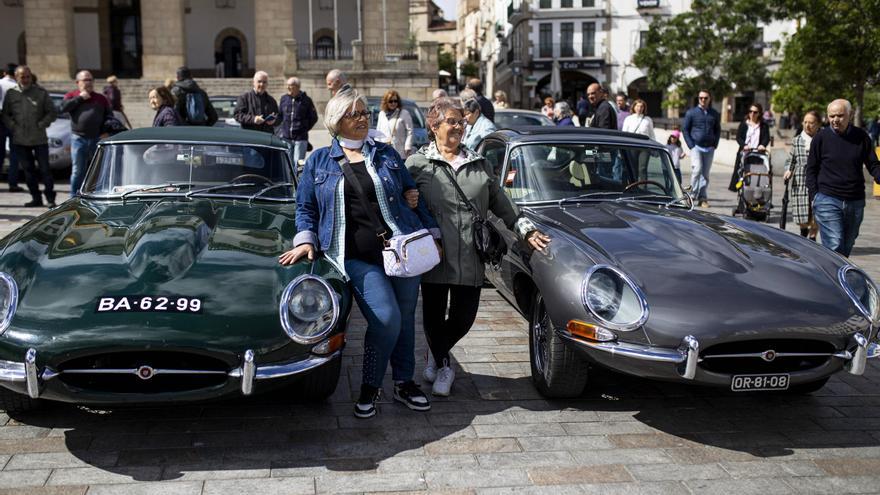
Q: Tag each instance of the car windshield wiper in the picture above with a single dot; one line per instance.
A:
(231, 185)
(267, 189)
(178, 185)
(686, 199)
(586, 196)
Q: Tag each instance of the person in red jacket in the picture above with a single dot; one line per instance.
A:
(88, 110)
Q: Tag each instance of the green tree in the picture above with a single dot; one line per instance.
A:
(445, 60)
(717, 45)
(832, 55)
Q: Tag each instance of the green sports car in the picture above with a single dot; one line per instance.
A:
(160, 282)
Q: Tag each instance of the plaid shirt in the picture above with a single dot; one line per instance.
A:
(797, 188)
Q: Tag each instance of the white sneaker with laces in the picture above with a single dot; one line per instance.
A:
(443, 383)
(430, 373)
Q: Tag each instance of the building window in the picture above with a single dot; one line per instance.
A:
(545, 41)
(566, 33)
(588, 3)
(325, 4)
(567, 4)
(324, 48)
(546, 4)
(643, 38)
(588, 31)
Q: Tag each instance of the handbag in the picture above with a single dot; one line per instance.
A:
(405, 255)
(488, 242)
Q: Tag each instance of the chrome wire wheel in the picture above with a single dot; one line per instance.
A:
(540, 329)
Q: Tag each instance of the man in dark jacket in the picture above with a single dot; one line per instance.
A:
(185, 90)
(256, 109)
(28, 111)
(298, 116)
(702, 131)
(834, 177)
(486, 108)
(603, 115)
(88, 111)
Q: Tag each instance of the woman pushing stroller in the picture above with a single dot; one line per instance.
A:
(753, 134)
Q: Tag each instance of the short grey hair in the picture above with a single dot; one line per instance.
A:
(846, 105)
(563, 109)
(438, 93)
(471, 106)
(81, 74)
(343, 102)
(294, 80)
(260, 73)
(467, 95)
(337, 74)
(437, 113)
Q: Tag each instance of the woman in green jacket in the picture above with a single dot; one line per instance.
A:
(455, 283)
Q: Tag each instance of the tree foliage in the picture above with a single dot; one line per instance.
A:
(717, 45)
(834, 54)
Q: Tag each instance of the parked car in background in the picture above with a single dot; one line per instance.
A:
(420, 130)
(225, 107)
(638, 281)
(516, 119)
(160, 283)
(59, 136)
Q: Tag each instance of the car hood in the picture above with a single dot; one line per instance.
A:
(708, 275)
(222, 252)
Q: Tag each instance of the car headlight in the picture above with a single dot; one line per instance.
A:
(862, 291)
(309, 309)
(8, 300)
(613, 299)
(55, 143)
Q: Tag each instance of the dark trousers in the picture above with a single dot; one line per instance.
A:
(13, 159)
(444, 332)
(30, 157)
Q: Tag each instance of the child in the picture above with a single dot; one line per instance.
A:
(673, 144)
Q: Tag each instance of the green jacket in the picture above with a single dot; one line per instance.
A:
(28, 113)
(460, 264)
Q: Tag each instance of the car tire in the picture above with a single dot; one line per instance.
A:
(13, 402)
(320, 383)
(557, 370)
(808, 388)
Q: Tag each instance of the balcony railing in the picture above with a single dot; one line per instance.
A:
(390, 52)
(564, 50)
(321, 51)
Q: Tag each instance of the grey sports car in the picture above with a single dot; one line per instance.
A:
(638, 281)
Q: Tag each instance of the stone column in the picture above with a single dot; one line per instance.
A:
(428, 58)
(273, 20)
(163, 38)
(357, 55)
(48, 27)
(291, 57)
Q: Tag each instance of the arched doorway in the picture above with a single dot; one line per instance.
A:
(324, 48)
(654, 99)
(125, 30)
(230, 47)
(574, 85)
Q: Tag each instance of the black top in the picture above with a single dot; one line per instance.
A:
(743, 130)
(604, 116)
(361, 242)
(250, 104)
(834, 165)
(486, 108)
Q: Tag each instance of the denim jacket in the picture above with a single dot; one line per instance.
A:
(317, 199)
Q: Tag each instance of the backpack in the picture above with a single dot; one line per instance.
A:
(195, 108)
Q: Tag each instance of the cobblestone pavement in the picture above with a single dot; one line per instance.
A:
(495, 434)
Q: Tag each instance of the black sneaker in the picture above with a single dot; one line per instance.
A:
(16, 189)
(411, 395)
(51, 205)
(33, 204)
(365, 407)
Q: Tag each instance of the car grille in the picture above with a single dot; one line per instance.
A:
(143, 372)
(766, 356)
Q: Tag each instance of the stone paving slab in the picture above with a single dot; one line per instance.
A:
(494, 435)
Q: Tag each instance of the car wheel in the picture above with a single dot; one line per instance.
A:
(808, 388)
(13, 402)
(320, 383)
(557, 371)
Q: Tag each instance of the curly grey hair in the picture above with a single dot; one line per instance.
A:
(563, 109)
(437, 113)
(345, 101)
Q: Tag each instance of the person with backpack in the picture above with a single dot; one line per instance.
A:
(193, 105)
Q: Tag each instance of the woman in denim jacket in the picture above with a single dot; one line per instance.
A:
(332, 218)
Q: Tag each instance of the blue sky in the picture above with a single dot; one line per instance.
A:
(449, 8)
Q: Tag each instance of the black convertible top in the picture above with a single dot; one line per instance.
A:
(540, 134)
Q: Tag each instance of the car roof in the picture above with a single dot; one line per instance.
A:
(542, 134)
(223, 97)
(199, 134)
(517, 110)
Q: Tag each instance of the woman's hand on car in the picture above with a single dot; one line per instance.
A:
(292, 256)
(538, 240)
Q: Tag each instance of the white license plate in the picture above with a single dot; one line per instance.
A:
(158, 304)
(748, 383)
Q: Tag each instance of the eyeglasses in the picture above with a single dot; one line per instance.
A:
(703, 97)
(393, 101)
(455, 122)
(753, 111)
(357, 115)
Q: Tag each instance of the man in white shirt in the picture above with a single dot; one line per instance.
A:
(8, 82)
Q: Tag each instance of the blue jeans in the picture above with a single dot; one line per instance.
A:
(389, 305)
(839, 221)
(701, 164)
(82, 149)
(299, 152)
(13, 156)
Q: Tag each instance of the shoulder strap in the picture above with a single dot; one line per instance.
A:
(462, 196)
(381, 232)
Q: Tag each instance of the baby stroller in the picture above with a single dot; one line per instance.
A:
(754, 189)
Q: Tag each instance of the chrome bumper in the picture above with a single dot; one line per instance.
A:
(688, 352)
(27, 372)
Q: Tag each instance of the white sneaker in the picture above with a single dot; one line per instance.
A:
(443, 383)
(430, 373)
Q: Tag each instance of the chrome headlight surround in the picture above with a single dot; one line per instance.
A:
(870, 312)
(637, 297)
(55, 143)
(10, 304)
(301, 330)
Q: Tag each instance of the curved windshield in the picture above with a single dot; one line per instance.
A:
(134, 169)
(513, 120)
(553, 172)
